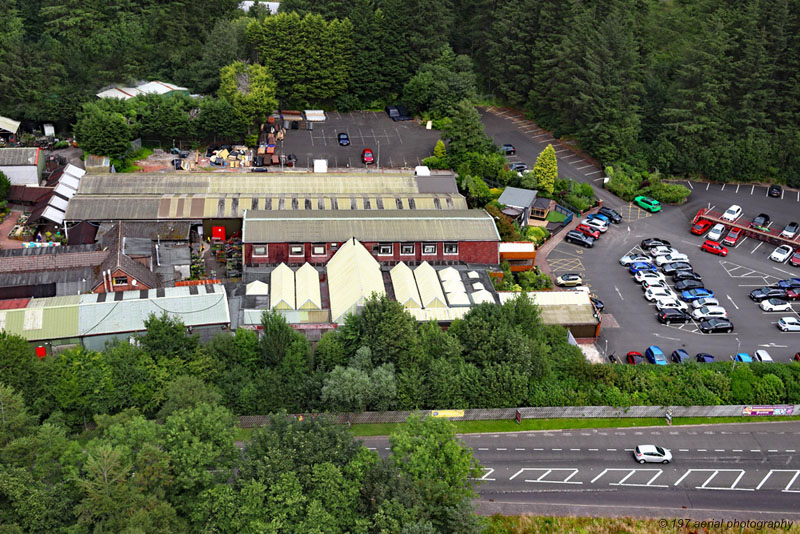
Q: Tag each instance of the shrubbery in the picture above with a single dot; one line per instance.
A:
(627, 182)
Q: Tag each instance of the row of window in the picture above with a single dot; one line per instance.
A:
(381, 249)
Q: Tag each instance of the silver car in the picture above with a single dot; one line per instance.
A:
(706, 312)
(708, 301)
(716, 232)
(652, 454)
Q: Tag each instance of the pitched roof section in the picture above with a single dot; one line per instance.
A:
(116, 260)
(282, 282)
(9, 125)
(517, 198)
(18, 156)
(335, 226)
(353, 275)
(307, 288)
(429, 288)
(405, 287)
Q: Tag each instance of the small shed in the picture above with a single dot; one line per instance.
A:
(8, 127)
(22, 166)
(282, 281)
(518, 203)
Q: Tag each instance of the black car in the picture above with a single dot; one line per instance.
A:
(672, 315)
(211, 150)
(686, 275)
(612, 215)
(683, 285)
(344, 139)
(647, 244)
(672, 268)
(761, 220)
(704, 357)
(680, 356)
(519, 167)
(598, 304)
(775, 191)
(508, 149)
(579, 239)
(259, 169)
(258, 161)
(398, 113)
(764, 293)
(716, 324)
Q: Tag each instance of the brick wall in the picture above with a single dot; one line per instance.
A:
(119, 273)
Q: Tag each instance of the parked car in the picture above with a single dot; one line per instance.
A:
(693, 294)
(661, 251)
(643, 276)
(710, 301)
(651, 242)
(569, 280)
(760, 221)
(716, 232)
(634, 358)
(615, 217)
(578, 238)
(743, 357)
(775, 305)
(671, 303)
(588, 231)
(683, 285)
(789, 324)
(597, 224)
(733, 237)
(655, 293)
(781, 253)
(714, 248)
(670, 268)
(790, 230)
(716, 324)
(775, 191)
(366, 156)
(763, 356)
(518, 166)
(793, 294)
(650, 204)
(706, 312)
(794, 261)
(344, 139)
(788, 283)
(680, 356)
(671, 258)
(652, 454)
(672, 315)
(508, 149)
(732, 213)
(641, 266)
(600, 216)
(631, 258)
(654, 284)
(598, 304)
(686, 275)
(764, 293)
(704, 357)
(701, 227)
(398, 113)
(655, 355)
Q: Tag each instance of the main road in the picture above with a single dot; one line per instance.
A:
(724, 472)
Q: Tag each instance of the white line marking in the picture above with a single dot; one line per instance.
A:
(591, 173)
(708, 185)
(540, 135)
(755, 450)
(690, 185)
(584, 167)
(574, 449)
(719, 450)
(737, 450)
(537, 449)
(737, 187)
(556, 449)
(702, 450)
(483, 449)
(772, 450)
(732, 302)
(593, 449)
(752, 189)
(611, 450)
(790, 450)
(519, 449)
(723, 187)
(757, 247)
(501, 449)
(373, 448)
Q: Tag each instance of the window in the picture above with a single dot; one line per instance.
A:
(451, 248)
(120, 280)
(318, 250)
(407, 249)
(260, 250)
(429, 248)
(383, 249)
(296, 250)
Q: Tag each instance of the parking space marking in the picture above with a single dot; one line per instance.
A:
(690, 185)
(488, 472)
(737, 187)
(540, 135)
(723, 187)
(757, 246)
(584, 167)
(547, 472)
(752, 189)
(708, 185)
(591, 173)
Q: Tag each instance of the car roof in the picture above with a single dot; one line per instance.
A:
(647, 448)
(713, 308)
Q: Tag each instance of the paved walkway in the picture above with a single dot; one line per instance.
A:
(6, 227)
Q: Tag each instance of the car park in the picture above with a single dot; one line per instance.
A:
(743, 357)
(764, 293)
(671, 258)
(716, 232)
(655, 293)
(790, 230)
(716, 324)
(788, 283)
(600, 216)
(693, 294)
(588, 231)
(763, 356)
(641, 266)
(649, 243)
(646, 276)
(760, 221)
(789, 324)
(699, 303)
(613, 215)
(775, 191)
(714, 248)
(733, 237)
(704, 357)
(344, 139)
(569, 280)
(577, 238)
(650, 204)
(671, 303)
(652, 454)
(680, 356)
(631, 258)
(732, 213)
(655, 355)
(781, 253)
(670, 268)
(366, 156)
(701, 227)
(707, 312)
(672, 315)
(508, 149)
(686, 275)
(597, 224)
(683, 285)
(775, 305)
(634, 358)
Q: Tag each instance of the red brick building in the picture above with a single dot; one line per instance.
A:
(411, 236)
(120, 272)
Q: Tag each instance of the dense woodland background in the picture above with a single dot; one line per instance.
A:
(691, 87)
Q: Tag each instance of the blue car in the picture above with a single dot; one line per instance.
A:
(693, 294)
(743, 357)
(789, 283)
(655, 355)
(704, 358)
(680, 356)
(600, 216)
(637, 266)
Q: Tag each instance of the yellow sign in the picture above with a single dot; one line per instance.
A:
(447, 413)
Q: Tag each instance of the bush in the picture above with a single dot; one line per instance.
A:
(537, 234)
(60, 144)
(627, 182)
(251, 140)
(346, 103)
(506, 228)
(578, 202)
(435, 163)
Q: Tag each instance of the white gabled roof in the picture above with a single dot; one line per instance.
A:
(405, 287)
(458, 299)
(449, 274)
(454, 286)
(257, 287)
(9, 125)
(282, 282)
(429, 288)
(52, 214)
(75, 172)
(353, 275)
(479, 297)
(307, 288)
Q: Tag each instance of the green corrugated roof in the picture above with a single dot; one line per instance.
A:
(41, 323)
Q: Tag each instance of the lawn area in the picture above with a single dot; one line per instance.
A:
(601, 525)
(555, 216)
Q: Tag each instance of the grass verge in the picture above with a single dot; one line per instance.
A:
(603, 525)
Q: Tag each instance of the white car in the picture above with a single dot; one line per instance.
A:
(716, 233)
(732, 213)
(670, 258)
(656, 293)
(597, 224)
(661, 251)
(773, 305)
(790, 230)
(647, 284)
(708, 301)
(707, 312)
(763, 356)
(631, 258)
(641, 276)
(652, 453)
(781, 253)
(666, 302)
(789, 324)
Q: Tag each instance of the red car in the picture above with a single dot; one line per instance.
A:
(793, 294)
(733, 236)
(795, 259)
(701, 227)
(714, 248)
(588, 230)
(635, 358)
(367, 157)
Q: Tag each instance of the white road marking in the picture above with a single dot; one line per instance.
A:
(591, 173)
(537, 449)
(790, 450)
(584, 167)
(483, 449)
(719, 450)
(723, 187)
(502, 449)
(772, 450)
(702, 450)
(556, 449)
(618, 293)
(519, 449)
(757, 246)
(611, 450)
(593, 449)
(755, 450)
(737, 450)
(737, 187)
(690, 185)
(373, 448)
(540, 135)
(752, 189)
(708, 185)
(683, 450)
(732, 302)
(574, 449)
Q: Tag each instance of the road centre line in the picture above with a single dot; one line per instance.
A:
(502, 449)
(519, 449)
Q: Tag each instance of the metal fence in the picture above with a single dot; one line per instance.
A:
(550, 412)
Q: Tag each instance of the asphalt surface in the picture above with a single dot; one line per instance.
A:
(718, 472)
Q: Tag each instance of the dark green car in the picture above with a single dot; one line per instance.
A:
(650, 204)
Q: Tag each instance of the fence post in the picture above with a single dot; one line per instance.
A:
(518, 417)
